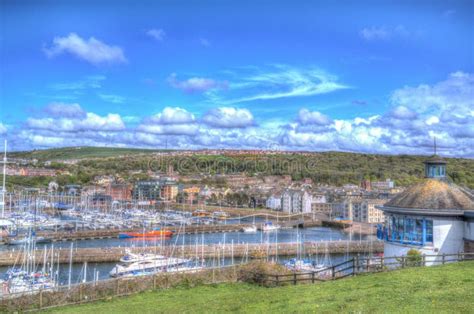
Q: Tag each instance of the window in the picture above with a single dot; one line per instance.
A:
(414, 231)
(429, 231)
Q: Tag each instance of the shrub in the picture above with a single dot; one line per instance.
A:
(413, 258)
(256, 272)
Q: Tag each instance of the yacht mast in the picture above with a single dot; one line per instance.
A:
(4, 178)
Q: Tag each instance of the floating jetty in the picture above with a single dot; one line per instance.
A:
(192, 229)
(253, 250)
(114, 233)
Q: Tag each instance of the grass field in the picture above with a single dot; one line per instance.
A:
(448, 288)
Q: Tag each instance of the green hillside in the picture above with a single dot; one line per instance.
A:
(65, 153)
(335, 168)
(445, 289)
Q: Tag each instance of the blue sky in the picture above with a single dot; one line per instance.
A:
(364, 76)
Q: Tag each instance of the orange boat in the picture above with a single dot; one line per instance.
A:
(149, 234)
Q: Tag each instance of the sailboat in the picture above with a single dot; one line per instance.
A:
(27, 278)
(303, 264)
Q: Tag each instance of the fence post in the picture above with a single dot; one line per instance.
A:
(312, 277)
(277, 280)
(294, 278)
(154, 282)
(117, 287)
(423, 259)
(443, 258)
(41, 299)
(357, 263)
(333, 271)
(382, 262)
(80, 292)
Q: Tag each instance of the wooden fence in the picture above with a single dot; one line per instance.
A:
(358, 265)
(106, 289)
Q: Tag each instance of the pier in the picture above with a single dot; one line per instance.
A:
(209, 251)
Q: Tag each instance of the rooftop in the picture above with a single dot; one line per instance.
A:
(435, 159)
(434, 195)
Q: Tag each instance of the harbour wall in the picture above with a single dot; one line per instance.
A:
(207, 251)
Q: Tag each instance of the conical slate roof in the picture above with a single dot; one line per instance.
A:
(433, 195)
(435, 159)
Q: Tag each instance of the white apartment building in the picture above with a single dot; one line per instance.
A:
(296, 201)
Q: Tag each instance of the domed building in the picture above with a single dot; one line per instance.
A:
(434, 216)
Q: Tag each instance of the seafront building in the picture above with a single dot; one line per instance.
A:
(155, 190)
(296, 201)
(435, 216)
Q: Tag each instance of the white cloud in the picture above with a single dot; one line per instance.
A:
(3, 128)
(62, 110)
(91, 50)
(196, 84)
(444, 109)
(228, 117)
(156, 33)
(91, 122)
(176, 129)
(432, 120)
(171, 121)
(172, 115)
(456, 93)
(313, 117)
(402, 112)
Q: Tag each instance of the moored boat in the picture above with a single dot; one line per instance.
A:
(249, 229)
(21, 241)
(154, 266)
(269, 226)
(130, 257)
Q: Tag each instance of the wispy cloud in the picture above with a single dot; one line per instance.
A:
(116, 99)
(156, 33)
(91, 50)
(196, 84)
(93, 81)
(204, 42)
(280, 81)
(376, 33)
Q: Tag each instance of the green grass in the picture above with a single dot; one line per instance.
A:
(448, 288)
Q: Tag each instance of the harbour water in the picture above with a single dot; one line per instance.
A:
(101, 271)
(282, 236)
